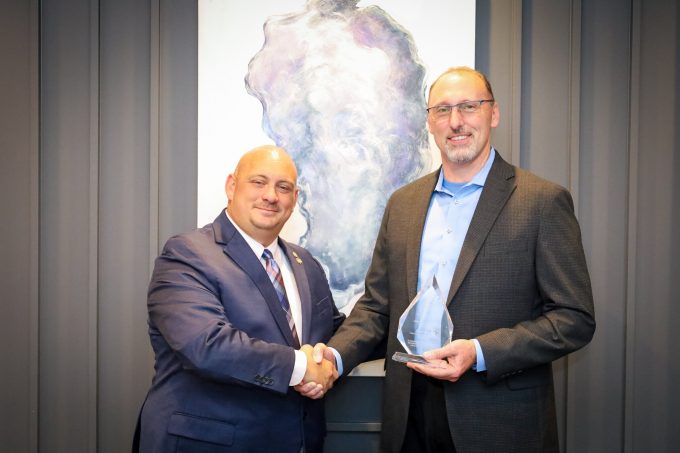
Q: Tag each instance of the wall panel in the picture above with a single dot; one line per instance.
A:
(124, 352)
(498, 54)
(595, 404)
(18, 228)
(177, 115)
(67, 363)
(654, 368)
(546, 82)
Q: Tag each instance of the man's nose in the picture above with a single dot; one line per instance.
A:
(455, 119)
(270, 193)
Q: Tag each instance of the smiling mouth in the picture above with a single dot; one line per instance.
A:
(268, 209)
(458, 138)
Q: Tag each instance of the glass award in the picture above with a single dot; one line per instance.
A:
(424, 325)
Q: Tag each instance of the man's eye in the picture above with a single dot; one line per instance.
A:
(443, 110)
(285, 189)
(257, 182)
(467, 107)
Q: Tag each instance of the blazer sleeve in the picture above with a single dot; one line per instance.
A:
(566, 321)
(186, 311)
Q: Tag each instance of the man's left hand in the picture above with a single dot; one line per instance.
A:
(450, 362)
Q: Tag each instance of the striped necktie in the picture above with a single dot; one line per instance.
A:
(277, 280)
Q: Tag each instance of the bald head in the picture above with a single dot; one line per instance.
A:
(262, 192)
(463, 70)
(265, 155)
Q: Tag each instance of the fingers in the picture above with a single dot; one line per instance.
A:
(318, 379)
(310, 390)
(449, 362)
(440, 369)
(320, 352)
(321, 371)
(331, 372)
(443, 352)
(330, 356)
(461, 354)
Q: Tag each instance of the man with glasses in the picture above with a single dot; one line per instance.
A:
(506, 249)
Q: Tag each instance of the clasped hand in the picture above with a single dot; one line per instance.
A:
(321, 372)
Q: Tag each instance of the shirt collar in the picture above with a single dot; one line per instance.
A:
(255, 245)
(479, 179)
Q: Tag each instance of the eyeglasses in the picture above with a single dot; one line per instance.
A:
(466, 108)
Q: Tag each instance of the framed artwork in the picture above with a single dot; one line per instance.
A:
(342, 86)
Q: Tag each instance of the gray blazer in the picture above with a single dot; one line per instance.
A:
(521, 287)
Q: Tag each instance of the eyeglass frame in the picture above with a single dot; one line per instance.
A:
(457, 107)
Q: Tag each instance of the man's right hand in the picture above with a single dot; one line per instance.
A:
(320, 374)
(321, 351)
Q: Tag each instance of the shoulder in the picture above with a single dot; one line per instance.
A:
(533, 187)
(543, 199)
(190, 243)
(532, 181)
(523, 179)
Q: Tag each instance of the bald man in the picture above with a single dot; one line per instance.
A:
(229, 306)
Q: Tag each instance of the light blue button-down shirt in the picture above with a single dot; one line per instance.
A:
(448, 218)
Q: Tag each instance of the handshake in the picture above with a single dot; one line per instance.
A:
(321, 371)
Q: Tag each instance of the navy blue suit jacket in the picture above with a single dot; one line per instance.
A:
(224, 351)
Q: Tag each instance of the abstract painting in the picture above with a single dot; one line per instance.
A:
(341, 85)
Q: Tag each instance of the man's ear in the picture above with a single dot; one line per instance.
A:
(495, 115)
(230, 186)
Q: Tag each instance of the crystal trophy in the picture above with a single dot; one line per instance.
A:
(424, 325)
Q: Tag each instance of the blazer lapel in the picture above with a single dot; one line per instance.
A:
(240, 252)
(303, 290)
(420, 203)
(497, 189)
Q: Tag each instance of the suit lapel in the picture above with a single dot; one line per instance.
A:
(240, 252)
(303, 290)
(420, 203)
(499, 185)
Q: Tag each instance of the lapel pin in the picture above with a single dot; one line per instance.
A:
(297, 258)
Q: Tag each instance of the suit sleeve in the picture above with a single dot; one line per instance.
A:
(566, 321)
(186, 311)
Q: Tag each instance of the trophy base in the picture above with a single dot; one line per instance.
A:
(403, 357)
